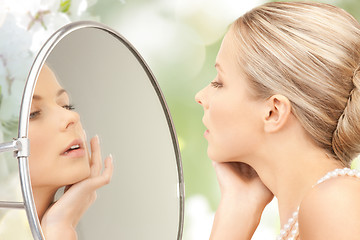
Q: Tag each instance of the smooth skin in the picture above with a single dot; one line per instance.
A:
(259, 150)
(53, 127)
(61, 219)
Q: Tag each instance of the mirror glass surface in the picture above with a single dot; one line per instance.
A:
(119, 100)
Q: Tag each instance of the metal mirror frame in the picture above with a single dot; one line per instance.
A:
(20, 146)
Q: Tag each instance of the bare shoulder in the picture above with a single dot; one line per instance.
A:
(331, 210)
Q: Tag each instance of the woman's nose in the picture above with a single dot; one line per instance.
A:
(197, 98)
(200, 97)
(70, 119)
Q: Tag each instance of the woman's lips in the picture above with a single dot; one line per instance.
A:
(206, 133)
(74, 150)
(77, 153)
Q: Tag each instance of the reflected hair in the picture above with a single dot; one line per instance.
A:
(310, 53)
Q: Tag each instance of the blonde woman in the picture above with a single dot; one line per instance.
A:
(283, 120)
(59, 157)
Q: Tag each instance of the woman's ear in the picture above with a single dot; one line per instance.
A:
(278, 109)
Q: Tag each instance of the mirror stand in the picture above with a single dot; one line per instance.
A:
(20, 147)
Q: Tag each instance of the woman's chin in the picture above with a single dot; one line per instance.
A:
(214, 156)
(220, 158)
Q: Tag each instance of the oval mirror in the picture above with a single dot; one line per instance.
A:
(117, 98)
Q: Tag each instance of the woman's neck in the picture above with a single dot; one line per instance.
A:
(290, 185)
(291, 165)
(43, 197)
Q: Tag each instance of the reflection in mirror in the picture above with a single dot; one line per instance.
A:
(59, 158)
(119, 100)
(53, 129)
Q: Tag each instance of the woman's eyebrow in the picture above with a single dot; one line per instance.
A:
(36, 97)
(61, 91)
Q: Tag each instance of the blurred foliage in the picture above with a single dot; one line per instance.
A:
(351, 6)
(64, 6)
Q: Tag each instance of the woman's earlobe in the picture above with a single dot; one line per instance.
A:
(278, 111)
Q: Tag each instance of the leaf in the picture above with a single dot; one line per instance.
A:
(64, 5)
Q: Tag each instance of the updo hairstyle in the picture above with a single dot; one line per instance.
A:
(310, 53)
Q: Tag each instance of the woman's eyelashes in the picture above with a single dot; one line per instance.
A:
(36, 114)
(69, 107)
(216, 84)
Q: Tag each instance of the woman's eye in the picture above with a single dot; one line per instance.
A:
(69, 107)
(216, 84)
(34, 114)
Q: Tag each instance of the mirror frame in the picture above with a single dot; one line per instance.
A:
(21, 145)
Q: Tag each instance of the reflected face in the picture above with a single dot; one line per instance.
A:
(231, 115)
(58, 152)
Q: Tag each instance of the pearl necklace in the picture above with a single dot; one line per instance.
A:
(340, 172)
(290, 231)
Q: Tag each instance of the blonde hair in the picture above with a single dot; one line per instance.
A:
(310, 53)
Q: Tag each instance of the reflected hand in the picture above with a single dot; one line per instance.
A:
(61, 218)
(243, 199)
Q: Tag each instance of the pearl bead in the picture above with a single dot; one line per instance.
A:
(286, 226)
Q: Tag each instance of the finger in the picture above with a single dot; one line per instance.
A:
(216, 164)
(86, 147)
(106, 175)
(96, 164)
(109, 168)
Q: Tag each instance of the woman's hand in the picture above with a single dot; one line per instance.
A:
(239, 180)
(243, 198)
(61, 218)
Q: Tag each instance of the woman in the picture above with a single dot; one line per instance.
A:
(282, 112)
(59, 157)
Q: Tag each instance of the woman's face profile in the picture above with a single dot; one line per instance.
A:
(58, 151)
(231, 116)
